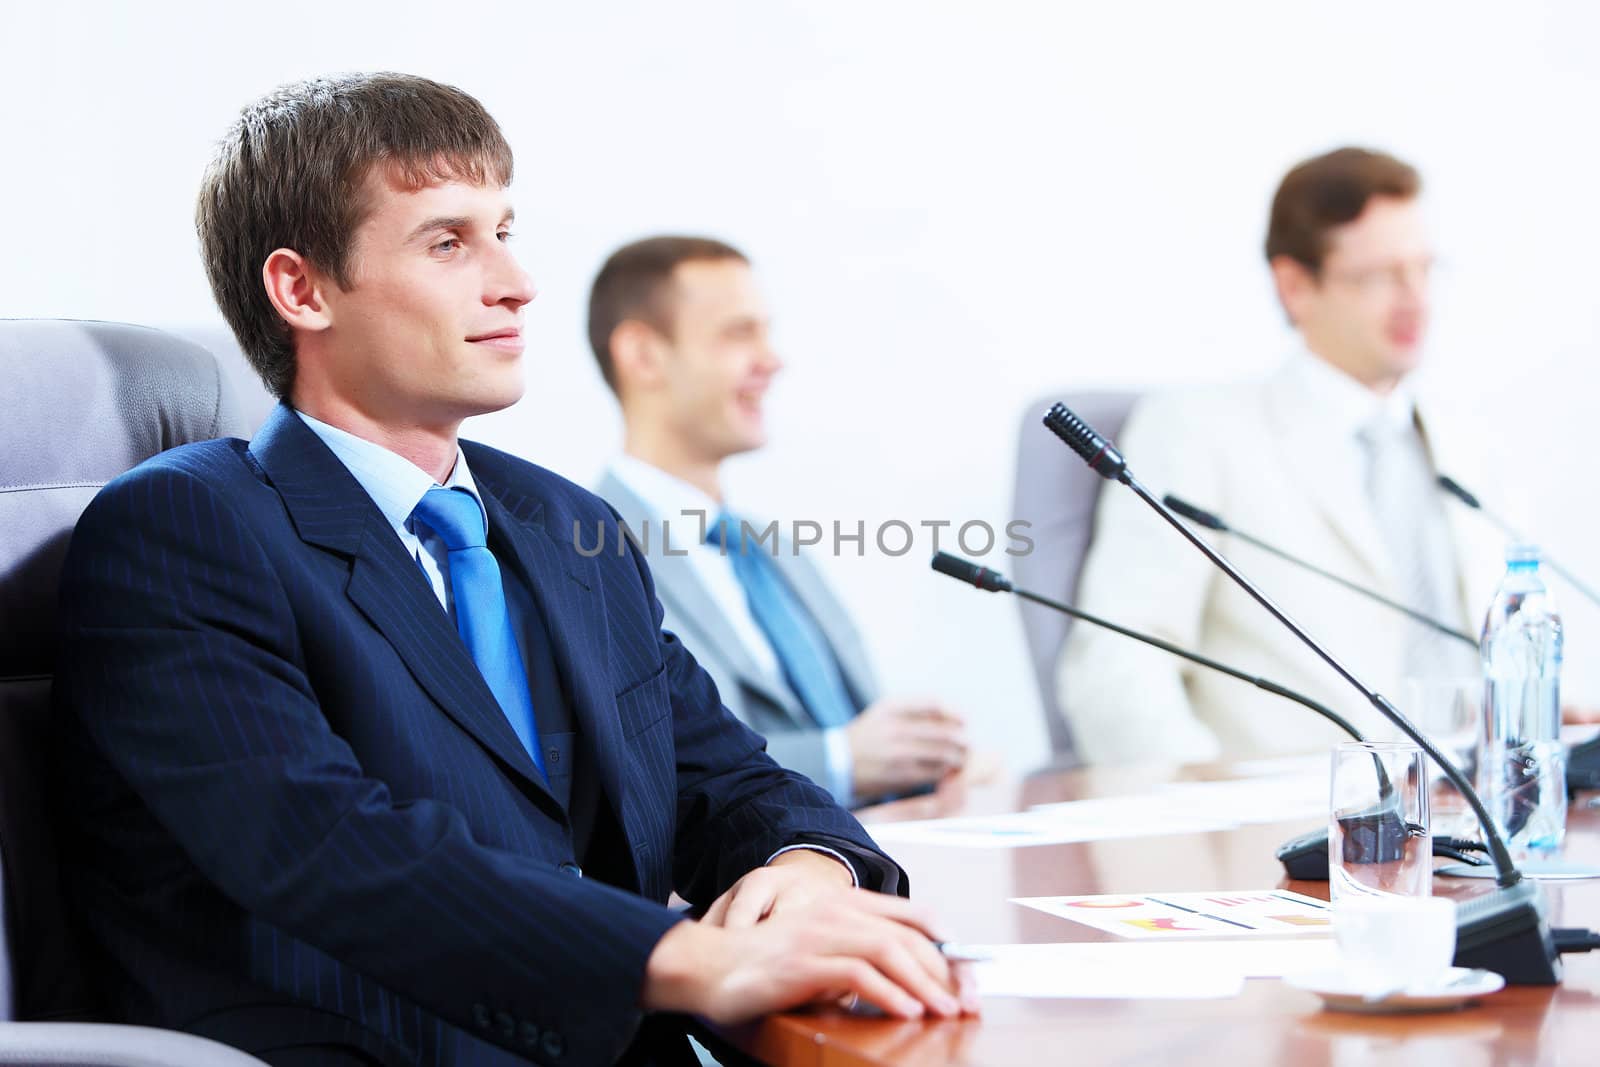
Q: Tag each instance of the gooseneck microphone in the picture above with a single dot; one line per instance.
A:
(1455, 489)
(1505, 931)
(965, 570)
(1212, 521)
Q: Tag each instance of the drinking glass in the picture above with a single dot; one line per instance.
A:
(1378, 838)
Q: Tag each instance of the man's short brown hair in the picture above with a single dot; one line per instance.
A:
(1328, 191)
(636, 283)
(292, 173)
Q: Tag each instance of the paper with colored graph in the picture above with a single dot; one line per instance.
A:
(1176, 916)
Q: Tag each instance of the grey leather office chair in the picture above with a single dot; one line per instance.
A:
(1056, 493)
(244, 387)
(80, 402)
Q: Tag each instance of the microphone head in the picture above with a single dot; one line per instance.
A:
(967, 571)
(1457, 490)
(1198, 516)
(1095, 450)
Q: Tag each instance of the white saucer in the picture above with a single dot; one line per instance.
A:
(1453, 989)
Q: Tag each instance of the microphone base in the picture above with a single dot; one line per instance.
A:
(1377, 835)
(1507, 932)
(1583, 766)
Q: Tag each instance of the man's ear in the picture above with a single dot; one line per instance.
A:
(296, 290)
(638, 355)
(1294, 283)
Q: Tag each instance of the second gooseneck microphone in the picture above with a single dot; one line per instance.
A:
(965, 570)
(1457, 490)
(1212, 521)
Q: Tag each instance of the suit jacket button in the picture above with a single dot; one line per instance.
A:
(571, 868)
(530, 1035)
(553, 1045)
(480, 1016)
(507, 1025)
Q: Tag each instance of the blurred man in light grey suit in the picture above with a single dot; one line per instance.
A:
(680, 332)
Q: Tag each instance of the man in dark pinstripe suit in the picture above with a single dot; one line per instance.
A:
(306, 816)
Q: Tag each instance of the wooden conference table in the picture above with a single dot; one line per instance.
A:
(1270, 1023)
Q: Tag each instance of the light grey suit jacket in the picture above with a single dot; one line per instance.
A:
(759, 698)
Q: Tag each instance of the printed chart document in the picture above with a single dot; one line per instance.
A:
(1181, 916)
(1123, 971)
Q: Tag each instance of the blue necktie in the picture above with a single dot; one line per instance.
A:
(482, 618)
(803, 653)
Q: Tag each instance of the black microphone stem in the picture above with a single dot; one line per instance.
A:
(1507, 874)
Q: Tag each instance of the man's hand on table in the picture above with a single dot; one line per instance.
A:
(795, 933)
(899, 745)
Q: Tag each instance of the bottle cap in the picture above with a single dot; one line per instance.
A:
(1522, 554)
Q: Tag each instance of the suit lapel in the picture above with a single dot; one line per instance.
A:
(676, 581)
(1318, 462)
(567, 588)
(1479, 546)
(331, 510)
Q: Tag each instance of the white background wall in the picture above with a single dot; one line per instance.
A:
(954, 208)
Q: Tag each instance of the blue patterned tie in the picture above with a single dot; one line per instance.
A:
(803, 653)
(482, 618)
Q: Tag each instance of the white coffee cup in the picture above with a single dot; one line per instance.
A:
(1388, 941)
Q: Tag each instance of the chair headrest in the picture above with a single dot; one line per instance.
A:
(83, 402)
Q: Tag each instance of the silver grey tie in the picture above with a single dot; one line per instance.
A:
(1406, 502)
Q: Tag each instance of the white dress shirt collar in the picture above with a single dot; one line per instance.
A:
(1350, 405)
(667, 495)
(397, 486)
(393, 482)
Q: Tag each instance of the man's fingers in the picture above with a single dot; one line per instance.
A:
(717, 914)
(931, 712)
(932, 733)
(901, 910)
(868, 983)
(937, 752)
(752, 903)
(966, 977)
(896, 958)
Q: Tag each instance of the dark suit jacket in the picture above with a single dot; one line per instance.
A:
(297, 817)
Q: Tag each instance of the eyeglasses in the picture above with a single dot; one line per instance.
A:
(1390, 277)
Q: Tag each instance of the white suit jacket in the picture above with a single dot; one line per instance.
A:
(1275, 459)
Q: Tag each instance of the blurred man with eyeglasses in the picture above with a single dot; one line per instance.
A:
(1330, 457)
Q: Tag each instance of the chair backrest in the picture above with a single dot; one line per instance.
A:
(82, 402)
(1056, 493)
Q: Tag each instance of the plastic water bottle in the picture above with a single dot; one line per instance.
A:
(1521, 765)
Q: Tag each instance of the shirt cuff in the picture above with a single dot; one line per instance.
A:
(841, 768)
(855, 880)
